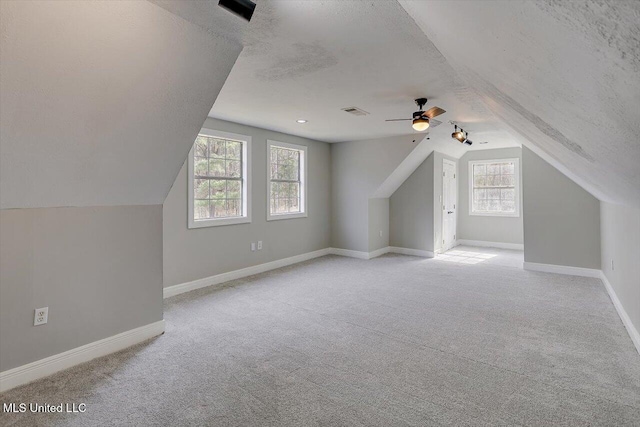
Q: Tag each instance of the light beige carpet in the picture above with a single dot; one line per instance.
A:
(392, 341)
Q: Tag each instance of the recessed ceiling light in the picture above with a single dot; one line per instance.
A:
(301, 121)
(484, 142)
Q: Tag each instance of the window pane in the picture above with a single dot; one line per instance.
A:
(200, 166)
(200, 149)
(479, 170)
(281, 205)
(217, 168)
(493, 180)
(234, 207)
(294, 205)
(234, 150)
(201, 209)
(201, 188)
(508, 194)
(507, 169)
(234, 190)
(480, 181)
(283, 171)
(218, 189)
(216, 148)
(507, 180)
(294, 190)
(233, 169)
(479, 194)
(493, 169)
(494, 206)
(508, 206)
(493, 194)
(219, 208)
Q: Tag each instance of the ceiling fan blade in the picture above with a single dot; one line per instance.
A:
(433, 112)
(395, 120)
(434, 122)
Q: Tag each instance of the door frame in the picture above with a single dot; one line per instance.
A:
(455, 204)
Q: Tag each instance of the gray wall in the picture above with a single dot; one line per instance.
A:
(203, 252)
(98, 269)
(378, 222)
(487, 228)
(358, 168)
(411, 210)
(620, 236)
(561, 220)
(437, 196)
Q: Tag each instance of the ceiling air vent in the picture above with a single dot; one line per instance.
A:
(355, 111)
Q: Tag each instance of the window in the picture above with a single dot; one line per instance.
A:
(218, 179)
(494, 187)
(287, 180)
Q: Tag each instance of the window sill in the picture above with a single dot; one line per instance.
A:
(501, 215)
(286, 216)
(218, 222)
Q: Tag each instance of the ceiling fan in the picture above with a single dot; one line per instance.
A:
(422, 119)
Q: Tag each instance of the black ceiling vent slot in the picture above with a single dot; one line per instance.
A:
(242, 8)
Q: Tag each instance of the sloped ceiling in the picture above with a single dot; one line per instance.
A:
(101, 100)
(563, 75)
(310, 59)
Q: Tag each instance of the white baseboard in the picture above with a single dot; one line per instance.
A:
(50, 365)
(379, 252)
(412, 252)
(359, 254)
(170, 291)
(561, 269)
(219, 279)
(626, 320)
(485, 244)
(349, 253)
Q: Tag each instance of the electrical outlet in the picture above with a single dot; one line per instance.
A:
(41, 316)
(259, 245)
(612, 268)
(380, 232)
(253, 246)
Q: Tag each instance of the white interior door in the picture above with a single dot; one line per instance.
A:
(449, 201)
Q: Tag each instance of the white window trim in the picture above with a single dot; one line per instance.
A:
(516, 173)
(246, 185)
(303, 179)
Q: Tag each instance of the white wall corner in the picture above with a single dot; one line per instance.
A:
(378, 252)
(626, 320)
(50, 365)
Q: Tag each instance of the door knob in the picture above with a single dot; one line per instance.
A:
(450, 212)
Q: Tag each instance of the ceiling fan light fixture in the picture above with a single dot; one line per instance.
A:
(420, 124)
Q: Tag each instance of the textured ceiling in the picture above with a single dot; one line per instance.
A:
(309, 59)
(564, 76)
(101, 100)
